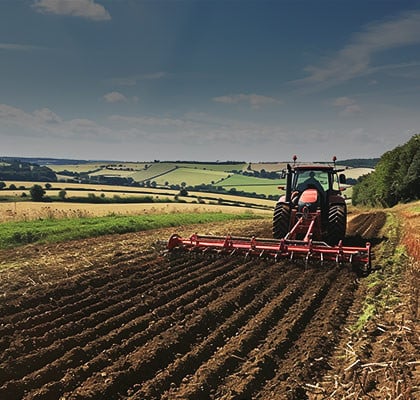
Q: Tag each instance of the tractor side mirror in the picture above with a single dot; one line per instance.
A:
(283, 174)
(342, 179)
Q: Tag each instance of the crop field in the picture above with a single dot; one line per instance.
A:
(191, 176)
(269, 167)
(252, 184)
(27, 211)
(355, 173)
(114, 317)
(80, 168)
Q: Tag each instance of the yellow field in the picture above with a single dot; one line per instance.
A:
(269, 167)
(18, 211)
(355, 173)
(88, 187)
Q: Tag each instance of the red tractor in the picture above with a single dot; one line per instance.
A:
(309, 223)
(312, 190)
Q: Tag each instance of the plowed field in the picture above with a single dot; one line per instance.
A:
(107, 319)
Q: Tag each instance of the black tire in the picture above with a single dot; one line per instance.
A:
(281, 220)
(337, 221)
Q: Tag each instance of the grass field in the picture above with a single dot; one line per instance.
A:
(191, 177)
(252, 184)
(56, 230)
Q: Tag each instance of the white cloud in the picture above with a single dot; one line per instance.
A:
(115, 97)
(255, 100)
(355, 59)
(351, 110)
(343, 101)
(77, 8)
(45, 115)
(347, 106)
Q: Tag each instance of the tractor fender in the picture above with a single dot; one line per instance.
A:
(282, 199)
(336, 200)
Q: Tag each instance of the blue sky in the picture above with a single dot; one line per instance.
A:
(209, 80)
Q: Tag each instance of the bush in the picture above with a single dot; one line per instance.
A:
(37, 193)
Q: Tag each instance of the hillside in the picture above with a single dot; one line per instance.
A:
(249, 179)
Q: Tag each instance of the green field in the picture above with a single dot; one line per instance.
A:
(56, 230)
(191, 176)
(252, 184)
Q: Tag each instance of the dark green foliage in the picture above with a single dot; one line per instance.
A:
(360, 162)
(37, 193)
(23, 171)
(395, 179)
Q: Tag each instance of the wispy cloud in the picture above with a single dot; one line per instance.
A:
(134, 79)
(355, 59)
(254, 100)
(76, 8)
(20, 47)
(46, 124)
(347, 106)
(115, 97)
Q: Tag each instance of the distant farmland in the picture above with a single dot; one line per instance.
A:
(230, 178)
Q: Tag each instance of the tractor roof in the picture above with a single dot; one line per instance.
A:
(316, 167)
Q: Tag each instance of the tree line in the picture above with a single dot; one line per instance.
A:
(396, 178)
(23, 171)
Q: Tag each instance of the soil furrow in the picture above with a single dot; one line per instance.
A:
(30, 340)
(308, 359)
(204, 284)
(263, 362)
(227, 358)
(143, 363)
(191, 361)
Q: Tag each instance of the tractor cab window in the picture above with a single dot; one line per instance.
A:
(312, 179)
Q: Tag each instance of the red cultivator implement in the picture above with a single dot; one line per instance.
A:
(309, 223)
(306, 249)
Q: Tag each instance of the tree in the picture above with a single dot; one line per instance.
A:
(2, 185)
(37, 193)
(48, 186)
(396, 177)
(62, 194)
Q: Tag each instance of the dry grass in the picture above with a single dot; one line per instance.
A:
(410, 214)
(25, 211)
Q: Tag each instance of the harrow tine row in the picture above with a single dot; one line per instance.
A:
(277, 249)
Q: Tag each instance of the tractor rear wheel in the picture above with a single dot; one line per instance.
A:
(281, 220)
(337, 221)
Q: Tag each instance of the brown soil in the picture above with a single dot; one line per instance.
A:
(112, 318)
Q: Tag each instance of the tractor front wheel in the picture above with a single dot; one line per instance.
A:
(281, 220)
